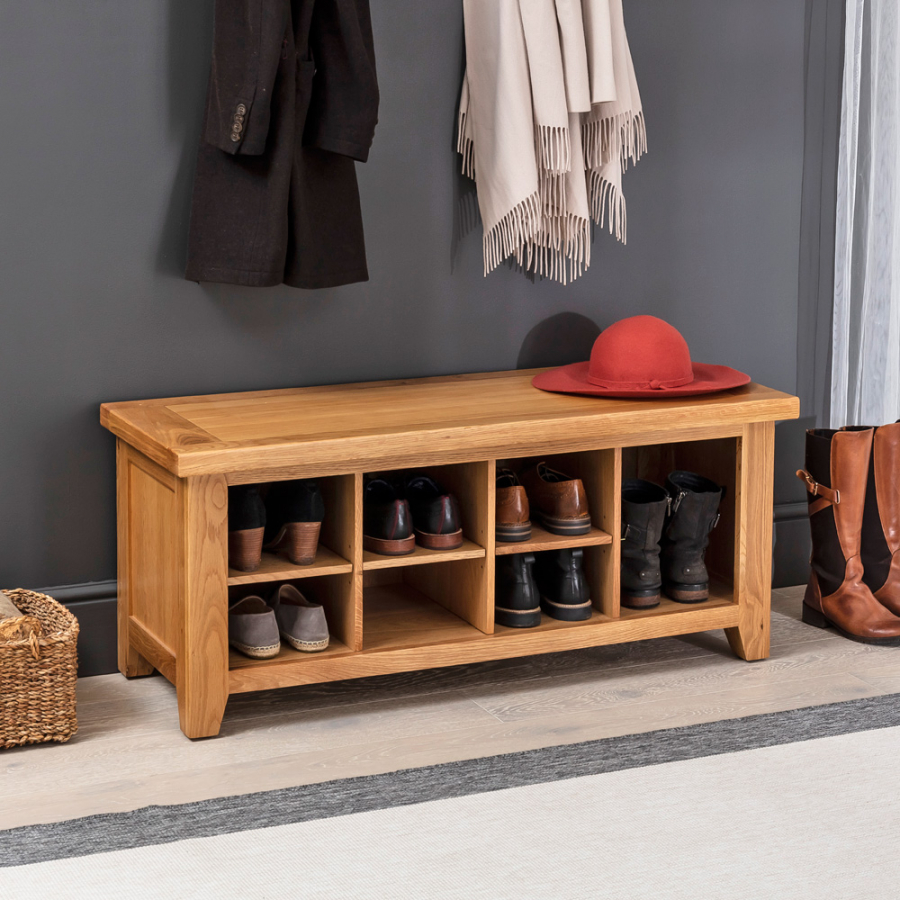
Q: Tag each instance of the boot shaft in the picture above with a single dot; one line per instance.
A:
(560, 576)
(515, 569)
(881, 517)
(644, 508)
(837, 478)
(695, 513)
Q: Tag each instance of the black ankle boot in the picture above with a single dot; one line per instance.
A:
(564, 590)
(644, 506)
(516, 600)
(695, 512)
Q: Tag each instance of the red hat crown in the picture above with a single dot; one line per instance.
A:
(640, 353)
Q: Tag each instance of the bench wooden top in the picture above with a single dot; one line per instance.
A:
(385, 424)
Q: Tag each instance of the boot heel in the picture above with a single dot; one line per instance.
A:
(812, 616)
(302, 540)
(299, 541)
(245, 549)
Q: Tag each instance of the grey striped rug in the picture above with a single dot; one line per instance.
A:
(159, 825)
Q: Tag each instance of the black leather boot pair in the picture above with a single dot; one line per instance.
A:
(288, 519)
(665, 533)
(401, 512)
(556, 585)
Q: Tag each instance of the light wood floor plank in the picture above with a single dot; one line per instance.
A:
(182, 786)
(130, 753)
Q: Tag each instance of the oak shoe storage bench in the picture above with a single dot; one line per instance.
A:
(177, 457)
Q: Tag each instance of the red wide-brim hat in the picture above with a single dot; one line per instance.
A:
(640, 357)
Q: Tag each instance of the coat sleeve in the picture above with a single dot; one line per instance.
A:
(343, 109)
(247, 45)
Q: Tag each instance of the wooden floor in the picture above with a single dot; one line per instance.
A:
(129, 751)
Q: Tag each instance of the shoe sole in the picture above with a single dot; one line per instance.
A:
(513, 534)
(695, 593)
(305, 646)
(382, 547)
(517, 618)
(299, 540)
(452, 541)
(640, 601)
(811, 616)
(245, 549)
(566, 527)
(256, 652)
(567, 612)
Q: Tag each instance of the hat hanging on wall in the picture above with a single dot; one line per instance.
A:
(641, 356)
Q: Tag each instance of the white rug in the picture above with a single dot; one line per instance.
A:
(817, 819)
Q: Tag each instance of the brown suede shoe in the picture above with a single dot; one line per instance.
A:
(513, 524)
(559, 501)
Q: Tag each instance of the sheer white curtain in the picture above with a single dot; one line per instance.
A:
(865, 365)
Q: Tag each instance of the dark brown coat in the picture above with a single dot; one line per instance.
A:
(292, 102)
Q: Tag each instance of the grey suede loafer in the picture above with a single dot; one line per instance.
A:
(252, 628)
(301, 623)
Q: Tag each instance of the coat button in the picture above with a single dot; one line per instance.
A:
(235, 137)
(237, 128)
(241, 110)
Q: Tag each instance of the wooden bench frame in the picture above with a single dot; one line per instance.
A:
(177, 457)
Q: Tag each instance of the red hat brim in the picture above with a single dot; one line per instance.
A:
(573, 379)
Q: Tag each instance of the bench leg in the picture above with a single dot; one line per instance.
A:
(753, 550)
(131, 663)
(202, 655)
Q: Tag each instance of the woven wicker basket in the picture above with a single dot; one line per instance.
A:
(37, 678)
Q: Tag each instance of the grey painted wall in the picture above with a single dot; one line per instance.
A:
(101, 104)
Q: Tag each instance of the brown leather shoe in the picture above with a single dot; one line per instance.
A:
(558, 500)
(512, 522)
(836, 475)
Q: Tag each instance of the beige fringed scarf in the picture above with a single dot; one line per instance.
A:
(549, 116)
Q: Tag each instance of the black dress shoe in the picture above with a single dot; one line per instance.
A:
(387, 523)
(294, 514)
(435, 514)
(246, 525)
(564, 589)
(516, 600)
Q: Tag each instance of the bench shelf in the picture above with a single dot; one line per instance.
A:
(177, 457)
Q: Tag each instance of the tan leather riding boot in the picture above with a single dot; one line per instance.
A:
(881, 520)
(836, 475)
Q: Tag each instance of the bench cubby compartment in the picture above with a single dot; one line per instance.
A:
(336, 540)
(337, 596)
(426, 604)
(470, 483)
(718, 460)
(600, 471)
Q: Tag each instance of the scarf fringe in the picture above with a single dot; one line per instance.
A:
(636, 142)
(465, 146)
(560, 250)
(623, 136)
(513, 231)
(554, 148)
(552, 188)
(608, 202)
